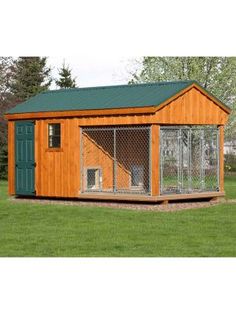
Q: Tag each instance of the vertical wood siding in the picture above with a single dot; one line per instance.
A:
(191, 108)
(97, 155)
(57, 170)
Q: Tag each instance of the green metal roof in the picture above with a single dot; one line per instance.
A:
(105, 97)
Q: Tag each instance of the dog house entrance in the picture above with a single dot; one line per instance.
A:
(189, 159)
(93, 179)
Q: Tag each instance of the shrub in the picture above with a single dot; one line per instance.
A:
(230, 163)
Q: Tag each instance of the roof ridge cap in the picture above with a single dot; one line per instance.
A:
(76, 89)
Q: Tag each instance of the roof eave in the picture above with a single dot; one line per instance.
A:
(81, 113)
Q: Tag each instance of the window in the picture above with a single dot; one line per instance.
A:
(93, 179)
(137, 176)
(54, 135)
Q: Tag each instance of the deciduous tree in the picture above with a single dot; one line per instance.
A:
(216, 74)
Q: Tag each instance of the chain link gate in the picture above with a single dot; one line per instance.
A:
(116, 159)
(189, 159)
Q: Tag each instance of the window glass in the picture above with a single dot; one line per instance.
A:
(54, 135)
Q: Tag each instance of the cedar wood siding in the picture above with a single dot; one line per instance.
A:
(192, 108)
(57, 172)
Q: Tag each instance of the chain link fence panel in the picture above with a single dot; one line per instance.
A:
(115, 160)
(189, 159)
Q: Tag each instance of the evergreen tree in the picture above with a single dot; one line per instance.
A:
(19, 79)
(7, 101)
(31, 76)
(6, 64)
(65, 80)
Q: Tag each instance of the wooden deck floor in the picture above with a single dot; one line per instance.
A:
(153, 199)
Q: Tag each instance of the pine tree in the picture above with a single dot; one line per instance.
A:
(65, 80)
(7, 101)
(31, 76)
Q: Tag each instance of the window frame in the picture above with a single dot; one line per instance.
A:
(54, 148)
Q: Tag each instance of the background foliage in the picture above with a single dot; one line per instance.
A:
(216, 74)
(20, 79)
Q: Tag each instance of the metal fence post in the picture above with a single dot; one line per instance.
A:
(115, 162)
(81, 161)
(202, 160)
(161, 160)
(179, 160)
(150, 159)
(190, 188)
(217, 157)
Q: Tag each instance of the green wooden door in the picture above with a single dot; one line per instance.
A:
(24, 158)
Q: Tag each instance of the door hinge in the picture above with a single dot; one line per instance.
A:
(34, 164)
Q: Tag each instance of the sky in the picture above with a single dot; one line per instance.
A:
(94, 71)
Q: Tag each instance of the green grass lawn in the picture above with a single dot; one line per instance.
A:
(230, 187)
(28, 229)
